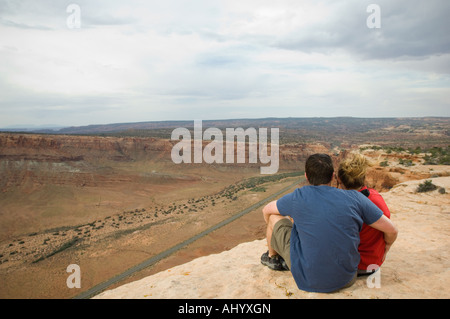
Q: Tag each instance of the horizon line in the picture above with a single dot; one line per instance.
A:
(57, 127)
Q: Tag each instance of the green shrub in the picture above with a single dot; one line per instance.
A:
(427, 186)
(384, 164)
(406, 162)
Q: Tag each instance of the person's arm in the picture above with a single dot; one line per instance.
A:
(390, 231)
(270, 209)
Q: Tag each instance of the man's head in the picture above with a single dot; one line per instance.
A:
(319, 169)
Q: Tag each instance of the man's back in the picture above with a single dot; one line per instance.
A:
(325, 236)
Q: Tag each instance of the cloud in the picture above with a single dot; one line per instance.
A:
(174, 59)
(409, 28)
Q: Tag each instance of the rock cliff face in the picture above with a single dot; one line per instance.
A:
(93, 161)
(65, 148)
(72, 160)
(292, 154)
(90, 160)
(74, 148)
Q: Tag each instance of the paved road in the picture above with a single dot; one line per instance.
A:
(101, 287)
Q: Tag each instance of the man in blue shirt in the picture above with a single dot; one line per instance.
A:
(320, 246)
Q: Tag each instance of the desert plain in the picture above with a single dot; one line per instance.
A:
(109, 201)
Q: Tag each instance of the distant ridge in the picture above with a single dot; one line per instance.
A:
(361, 124)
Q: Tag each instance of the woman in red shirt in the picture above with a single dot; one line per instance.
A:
(372, 247)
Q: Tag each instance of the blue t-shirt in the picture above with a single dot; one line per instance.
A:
(325, 235)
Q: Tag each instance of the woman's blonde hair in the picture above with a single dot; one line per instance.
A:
(352, 171)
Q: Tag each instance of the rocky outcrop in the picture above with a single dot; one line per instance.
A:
(62, 147)
(89, 160)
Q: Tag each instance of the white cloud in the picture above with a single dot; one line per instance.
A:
(156, 60)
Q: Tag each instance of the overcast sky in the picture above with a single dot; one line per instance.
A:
(132, 61)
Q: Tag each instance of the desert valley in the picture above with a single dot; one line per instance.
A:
(109, 197)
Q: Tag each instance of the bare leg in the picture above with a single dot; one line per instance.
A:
(273, 219)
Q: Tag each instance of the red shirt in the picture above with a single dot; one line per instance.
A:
(372, 245)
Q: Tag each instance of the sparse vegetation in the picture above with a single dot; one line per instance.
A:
(437, 156)
(63, 247)
(433, 155)
(426, 186)
(258, 189)
(255, 182)
(406, 162)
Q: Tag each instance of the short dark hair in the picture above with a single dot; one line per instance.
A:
(319, 169)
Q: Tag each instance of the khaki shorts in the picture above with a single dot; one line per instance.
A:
(281, 239)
